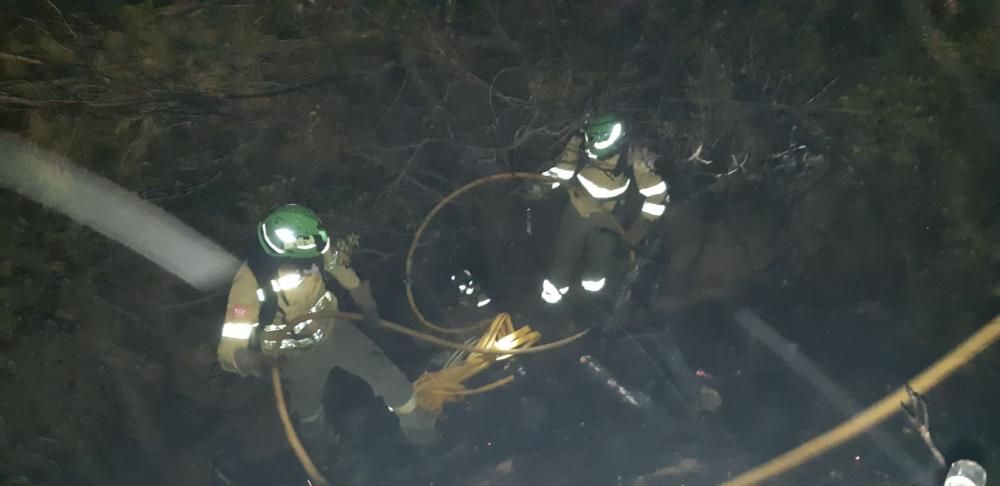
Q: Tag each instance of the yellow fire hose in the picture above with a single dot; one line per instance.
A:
(293, 437)
(434, 389)
(445, 385)
(392, 326)
(499, 342)
(872, 416)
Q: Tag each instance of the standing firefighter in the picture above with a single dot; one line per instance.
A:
(606, 166)
(295, 273)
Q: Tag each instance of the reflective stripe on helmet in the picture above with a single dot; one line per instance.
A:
(616, 132)
(289, 240)
(267, 239)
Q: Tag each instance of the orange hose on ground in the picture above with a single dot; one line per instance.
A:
(435, 388)
(423, 226)
(293, 438)
(441, 204)
(392, 326)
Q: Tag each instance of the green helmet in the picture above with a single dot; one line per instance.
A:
(292, 231)
(604, 135)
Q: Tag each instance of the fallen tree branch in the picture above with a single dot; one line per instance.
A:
(19, 58)
(202, 102)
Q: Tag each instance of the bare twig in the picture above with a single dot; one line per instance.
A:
(761, 104)
(38, 25)
(441, 53)
(399, 94)
(19, 58)
(173, 101)
(63, 18)
(820, 93)
(523, 136)
(696, 156)
(322, 80)
(737, 165)
(493, 109)
(411, 179)
(190, 303)
(494, 11)
(406, 166)
(916, 412)
(222, 477)
(187, 191)
(19, 102)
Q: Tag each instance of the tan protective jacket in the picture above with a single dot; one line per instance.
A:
(605, 188)
(299, 291)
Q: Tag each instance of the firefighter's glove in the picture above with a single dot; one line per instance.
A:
(362, 296)
(253, 363)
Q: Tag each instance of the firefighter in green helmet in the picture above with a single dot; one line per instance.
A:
(297, 271)
(607, 168)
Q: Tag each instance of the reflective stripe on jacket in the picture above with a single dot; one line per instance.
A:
(605, 187)
(299, 291)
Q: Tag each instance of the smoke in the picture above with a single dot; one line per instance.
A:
(97, 203)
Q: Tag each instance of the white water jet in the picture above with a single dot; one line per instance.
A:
(53, 181)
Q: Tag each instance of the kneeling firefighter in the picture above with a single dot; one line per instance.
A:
(606, 166)
(296, 272)
(469, 292)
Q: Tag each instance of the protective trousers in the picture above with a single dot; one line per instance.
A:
(346, 347)
(593, 240)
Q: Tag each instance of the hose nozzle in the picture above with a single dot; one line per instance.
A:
(964, 472)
